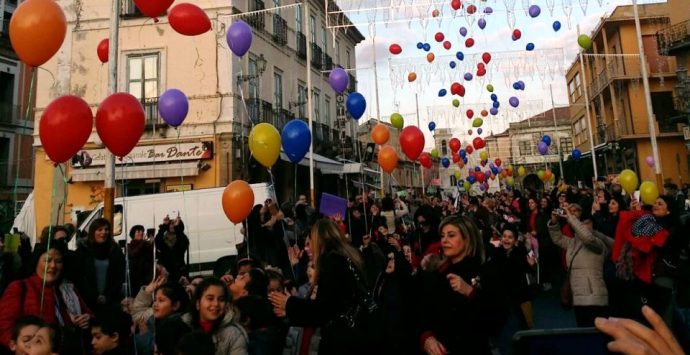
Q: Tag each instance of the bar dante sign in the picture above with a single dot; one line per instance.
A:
(148, 154)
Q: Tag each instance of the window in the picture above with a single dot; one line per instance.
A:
(525, 148)
(142, 75)
(566, 145)
(312, 28)
(324, 39)
(327, 111)
(298, 23)
(347, 53)
(337, 52)
(276, 3)
(578, 84)
(316, 98)
(571, 91)
(444, 147)
(301, 100)
(277, 89)
(253, 82)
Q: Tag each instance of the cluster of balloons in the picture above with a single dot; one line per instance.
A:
(649, 192)
(544, 144)
(519, 85)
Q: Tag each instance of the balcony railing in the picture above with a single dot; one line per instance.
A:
(129, 10)
(5, 29)
(280, 30)
(282, 117)
(673, 38)
(153, 119)
(258, 21)
(327, 62)
(627, 67)
(352, 86)
(260, 110)
(316, 56)
(681, 104)
(301, 45)
(10, 114)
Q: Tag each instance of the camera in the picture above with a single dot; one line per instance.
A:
(559, 211)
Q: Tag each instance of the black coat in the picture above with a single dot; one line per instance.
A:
(337, 293)
(511, 268)
(173, 257)
(85, 278)
(462, 324)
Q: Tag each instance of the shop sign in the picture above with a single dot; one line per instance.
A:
(148, 154)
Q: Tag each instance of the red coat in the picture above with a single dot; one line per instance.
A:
(14, 308)
(644, 247)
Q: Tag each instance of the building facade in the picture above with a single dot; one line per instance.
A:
(226, 96)
(16, 150)
(617, 102)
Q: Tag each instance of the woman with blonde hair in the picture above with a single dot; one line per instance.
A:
(341, 299)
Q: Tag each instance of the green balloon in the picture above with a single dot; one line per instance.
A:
(466, 185)
(584, 41)
(434, 153)
(456, 102)
(490, 88)
(540, 174)
(478, 122)
(397, 121)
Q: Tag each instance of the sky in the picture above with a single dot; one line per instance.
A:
(543, 68)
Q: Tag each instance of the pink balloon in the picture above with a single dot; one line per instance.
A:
(650, 161)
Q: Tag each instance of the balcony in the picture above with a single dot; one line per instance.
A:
(626, 68)
(282, 117)
(280, 30)
(301, 45)
(259, 110)
(674, 38)
(327, 62)
(258, 21)
(10, 114)
(681, 104)
(316, 56)
(352, 86)
(153, 119)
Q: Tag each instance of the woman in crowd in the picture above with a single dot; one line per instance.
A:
(213, 314)
(172, 245)
(585, 255)
(140, 253)
(46, 295)
(339, 274)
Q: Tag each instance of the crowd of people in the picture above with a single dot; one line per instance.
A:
(434, 275)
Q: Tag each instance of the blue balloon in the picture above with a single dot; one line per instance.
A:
(481, 23)
(479, 130)
(546, 139)
(521, 84)
(452, 64)
(514, 101)
(493, 111)
(427, 47)
(464, 159)
(476, 168)
(468, 76)
(494, 97)
(530, 46)
(460, 55)
(446, 162)
(463, 153)
(497, 104)
(516, 86)
(556, 26)
(296, 139)
(463, 31)
(420, 45)
(471, 179)
(442, 92)
(576, 154)
(356, 104)
(432, 126)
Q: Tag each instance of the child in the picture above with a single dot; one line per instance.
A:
(111, 333)
(23, 333)
(46, 341)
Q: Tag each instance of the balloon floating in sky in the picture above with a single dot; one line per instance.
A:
(490, 88)
(546, 139)
(478, 122)
(493, 96)
(435, 13)
(456, 4)
(530, 46)
(534, 11)
(356, 104)
(469, 42)
(395, 48)
(447, 45)
(488, 10)
(432, 126)
(468, 76)
(452, 64)
(556, 26)
(516, 34)
(412, 142)
(542, 148)
(469, 113)
(481, 23)
(496, 104)
(479, 131)
(420, 45)
(460, 56)
(439, 37)
(397, 120)
(442, 93)
(463, 31)
(493, 111)
(412, 77)
(471, 9)
(456, 102)
(430, 57)
(239, 38)
(486, 57)
(339, 80)
(426, 47)
(514, 101)
(584, 41)
(445, 162)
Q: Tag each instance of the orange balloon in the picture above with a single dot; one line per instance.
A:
(380, 134)
(37, 30)
(238, 201)
(430, 57)
(388, 158)
(412, 77)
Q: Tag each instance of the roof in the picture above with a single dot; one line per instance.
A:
(505, 133)
(546, 118)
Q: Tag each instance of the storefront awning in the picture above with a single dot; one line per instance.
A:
(327, 165)
(148, 171)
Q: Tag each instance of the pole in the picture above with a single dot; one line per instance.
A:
(589, 123)
(421, 169)
(555, 133)
(310, 103)
(648, 99)
(109, 183)
(376, 89)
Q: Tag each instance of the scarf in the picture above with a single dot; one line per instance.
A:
(67, 298)
(645, 226)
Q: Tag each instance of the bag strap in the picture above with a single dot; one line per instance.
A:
(573, 259)
(362, 293)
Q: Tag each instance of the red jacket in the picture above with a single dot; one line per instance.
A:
(14, 308)
(644, 251)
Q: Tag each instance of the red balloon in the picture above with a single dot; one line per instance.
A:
(425, 160)
(454, 145)
(478, 143)
(457, 89)
(65, 127)
(439, 37)
(481, 72)
(120, 121)
(469, 113)
(471, 9)
(446, 45)
(153, 8)
(516, 34)
(456, 158)
(456, 4)
(481, 65)
(469, 149)
(102, 50)
(189, 19)
(469, 42)
(412, 142)
(497, 162)
(486, 57)
(509, 172)
(395, 48)
(479, 176)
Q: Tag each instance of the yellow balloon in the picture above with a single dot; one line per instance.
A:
(540, 174)
(649, 192)
(484, 155)
(628, 179)
(434, 153)
(510, 167)
(457, 174)
(510, 181)
(264, 143)
(521, 171)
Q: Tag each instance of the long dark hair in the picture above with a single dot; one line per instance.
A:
(469, 232)
(326, 237)
(199, 293)
(96, 225)
(176, 293)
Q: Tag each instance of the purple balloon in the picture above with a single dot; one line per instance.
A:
(239, 38)
(338, 80)
(481, 23)
(173, 107)
(493, 111)
(463, 31)
(468, 76)
(514, 101)
(542, 148)
(479, 130)
(488, 10)
(534, 10)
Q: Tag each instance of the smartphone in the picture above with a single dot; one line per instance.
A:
(570, 341)
(636, 195)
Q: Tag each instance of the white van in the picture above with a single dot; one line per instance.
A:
(211, 234)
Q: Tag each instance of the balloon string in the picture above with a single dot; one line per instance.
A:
(184, 200)
(50, 232)
(19, 146)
